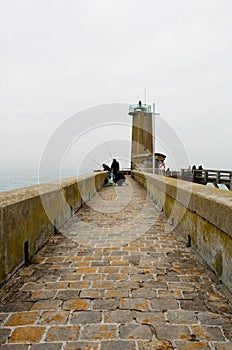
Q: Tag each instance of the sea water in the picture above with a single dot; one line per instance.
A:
(17, 178)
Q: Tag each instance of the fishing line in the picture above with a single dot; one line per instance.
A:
(108, 150)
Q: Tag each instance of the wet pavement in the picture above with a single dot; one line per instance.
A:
(118, 276)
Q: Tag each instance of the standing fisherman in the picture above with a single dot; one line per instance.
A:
(114, 167)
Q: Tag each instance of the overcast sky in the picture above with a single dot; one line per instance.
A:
(60, 57)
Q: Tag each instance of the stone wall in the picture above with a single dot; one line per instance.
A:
(203, 215)
(29, 216)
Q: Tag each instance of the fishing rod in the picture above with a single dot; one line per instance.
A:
(108, 151)
(93, 160)
(88, 159)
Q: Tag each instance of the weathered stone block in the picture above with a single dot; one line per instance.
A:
(97, 332)
(118, 345)
(134, 331)
(27, 335)
(84, 317)
(62, 333)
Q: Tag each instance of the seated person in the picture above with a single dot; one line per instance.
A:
(119, 178)
(108, 182)
(106, 167)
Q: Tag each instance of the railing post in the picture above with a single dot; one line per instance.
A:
(218, 177)
(206, 176)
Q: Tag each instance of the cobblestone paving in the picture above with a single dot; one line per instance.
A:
(116, 278)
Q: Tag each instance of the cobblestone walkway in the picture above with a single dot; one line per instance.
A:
(115, 278)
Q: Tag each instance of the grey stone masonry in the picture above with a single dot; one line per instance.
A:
(117, 276)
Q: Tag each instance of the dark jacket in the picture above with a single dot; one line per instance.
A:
(119, 178)
(106, 167)
(115, 166)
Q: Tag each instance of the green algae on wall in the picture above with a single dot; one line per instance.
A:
(202, 215)
(29, 216)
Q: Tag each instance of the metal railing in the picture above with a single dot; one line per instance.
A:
(207, 175)
(139, 107)
(204, 176)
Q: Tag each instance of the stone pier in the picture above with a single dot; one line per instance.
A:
(116, 277)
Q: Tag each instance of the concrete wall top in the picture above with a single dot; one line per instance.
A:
(30, 215)
(22, 194)
(214, 205)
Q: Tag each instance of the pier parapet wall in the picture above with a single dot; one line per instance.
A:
(203, 215)
(30, 216)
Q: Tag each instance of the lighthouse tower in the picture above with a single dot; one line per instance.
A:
(143, 157)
